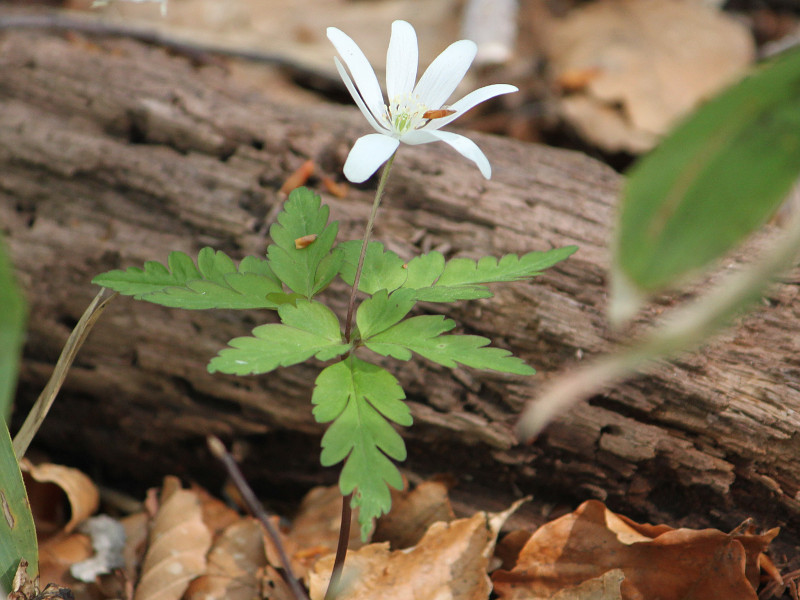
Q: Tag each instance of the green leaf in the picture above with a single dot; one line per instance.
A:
(715, 179)
(12, 328)
(459, 278)
(423, 335)
(307, 270)
(214, 283)
(308, 329)
(381, 311)
(383, 269)
(17, 532)
(424, 270)
(359, 397)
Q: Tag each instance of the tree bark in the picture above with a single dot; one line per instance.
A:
(118, 154)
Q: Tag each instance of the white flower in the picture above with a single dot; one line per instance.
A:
(414, 114)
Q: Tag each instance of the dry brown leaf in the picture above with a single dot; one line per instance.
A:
(233, 564)
(179, 541)
(136, 528)
(81, 493)
(682, 564)
(273, 586)
(23, 586)
(636, 67)
(217, 515)
(315, 530)
(605, 587)
(508, 548)
(450, 561)
(59, 553)
(412, 513)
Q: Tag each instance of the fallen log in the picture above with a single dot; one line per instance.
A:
(117, 153)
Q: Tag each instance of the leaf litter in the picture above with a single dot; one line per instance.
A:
(187, 544)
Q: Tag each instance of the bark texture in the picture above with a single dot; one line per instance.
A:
(117, 153)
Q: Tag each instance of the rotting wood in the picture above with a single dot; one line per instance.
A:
(117, 154)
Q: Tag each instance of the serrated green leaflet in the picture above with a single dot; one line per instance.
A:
(460, 278)
(17, 531)
(359, 397)
(464, 271)
(307, 270)
(12, 327)
(214, 283)
(382, 310)
(713, 180)
(308, 329)
(383, 269)
(423, 335)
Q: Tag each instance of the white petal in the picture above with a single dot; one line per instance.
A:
(357, 98)
(471, 100)
(401, 60)
(419, 136)
(445, 73)
(465, 146)
(368, 153)
(360, 69)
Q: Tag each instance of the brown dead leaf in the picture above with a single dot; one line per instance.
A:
(413, 512)
(59, 553)
(217, 515)
(273, 586)
(605, 587)
(81, 493)
(136, 529)
(450, 561)
(179, 541)
(315, 530)
(508, 548)
(23, 586)
(636, 67)
(233, 563)
(682, 564)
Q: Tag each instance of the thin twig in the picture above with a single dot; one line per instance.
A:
(45, 400)
(257, 510)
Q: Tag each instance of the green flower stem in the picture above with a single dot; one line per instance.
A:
(348, 324)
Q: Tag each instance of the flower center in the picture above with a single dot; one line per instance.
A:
(404, 113)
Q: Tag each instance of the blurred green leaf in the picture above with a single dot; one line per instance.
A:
(715, 179)
(17, 532)
(12, 328)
